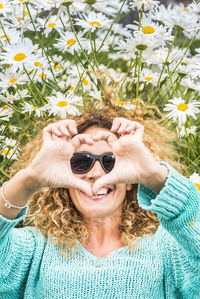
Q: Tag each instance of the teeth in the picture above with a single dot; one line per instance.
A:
(103, 191)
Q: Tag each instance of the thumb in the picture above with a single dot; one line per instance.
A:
(103, 181)
(82, 186)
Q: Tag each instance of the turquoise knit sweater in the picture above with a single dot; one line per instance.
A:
(165, 265)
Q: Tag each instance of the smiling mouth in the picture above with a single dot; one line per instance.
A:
(102, 193)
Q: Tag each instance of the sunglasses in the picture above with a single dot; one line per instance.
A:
(82, 162)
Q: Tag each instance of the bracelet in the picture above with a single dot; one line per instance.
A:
(7, 204)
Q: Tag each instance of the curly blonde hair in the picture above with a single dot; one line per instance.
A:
(52, 211)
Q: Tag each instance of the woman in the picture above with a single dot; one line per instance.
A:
(91, 238)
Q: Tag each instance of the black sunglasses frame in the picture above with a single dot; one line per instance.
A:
(94, 159)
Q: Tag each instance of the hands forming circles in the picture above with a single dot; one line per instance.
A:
(52, 163)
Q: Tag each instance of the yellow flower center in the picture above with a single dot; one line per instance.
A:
(5, 107)
(148, 78)
(62, 104)
(42, 75)
(120, 102)
(71, 88)
(5, 36)
(12, 81)
(95, 23)
(57, 67)
(34, 108)
(198, 186)
(182, 107)
(148, 30)
(9, 99)
(71, 42)
(25, 12)
(85, 81)
(1, 6)
(186, 9)
(51, 25)
(19, 18)
(19, 57)
(5, 151)
(38, 64)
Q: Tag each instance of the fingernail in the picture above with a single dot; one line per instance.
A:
(75, 130)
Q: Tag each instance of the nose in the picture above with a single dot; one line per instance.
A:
(96, 171)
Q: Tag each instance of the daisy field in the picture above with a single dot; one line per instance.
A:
(59, 58)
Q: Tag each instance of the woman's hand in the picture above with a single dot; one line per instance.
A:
(134, 162)
(51, 166)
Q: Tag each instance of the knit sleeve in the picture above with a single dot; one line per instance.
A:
(18, 249)
(178, 209)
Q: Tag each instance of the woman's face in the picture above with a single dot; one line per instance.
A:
(104, 205)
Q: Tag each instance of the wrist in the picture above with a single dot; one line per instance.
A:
(157, 178)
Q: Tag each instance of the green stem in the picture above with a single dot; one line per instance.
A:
(74, 31)
(93, 48)
(35, 87)
(111, 26)
(172, 84)
(138, 74)
(186, 51)
(4, 173)
(4, 32)
(41, 43)
(164, 64)
(140, 17)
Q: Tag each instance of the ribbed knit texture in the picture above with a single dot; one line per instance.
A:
(165, 265)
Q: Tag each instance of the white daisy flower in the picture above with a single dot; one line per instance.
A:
(93, 21)
(148, 76)
(5, 7)
(9, 142)
(77, 7)
(5, 113)
(47, 4)
(158, 56)
(20, 24)
(10, 78)
(42, 75)
(9, 36)
(148, 4)
(68, 42)
(181, 19)
(17, 55)
(37, 62)
(148, 26)
(104, 8)
(29, 108)
(182, 131)
(11, 98)
(194, 7)
(195, 178)
(63, 104)
(190, 84)
(12, 128)
(49, 24)
(140, 42)
(180, 110)
(9, 153)
(125, 105)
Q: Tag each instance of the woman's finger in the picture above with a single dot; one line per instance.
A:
(106, 180)
(116, 124)
(79, 139)
(106, 136)
(81, 185)
(122, 128)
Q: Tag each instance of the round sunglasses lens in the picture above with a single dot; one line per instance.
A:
(108, 162)
(81, 162)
